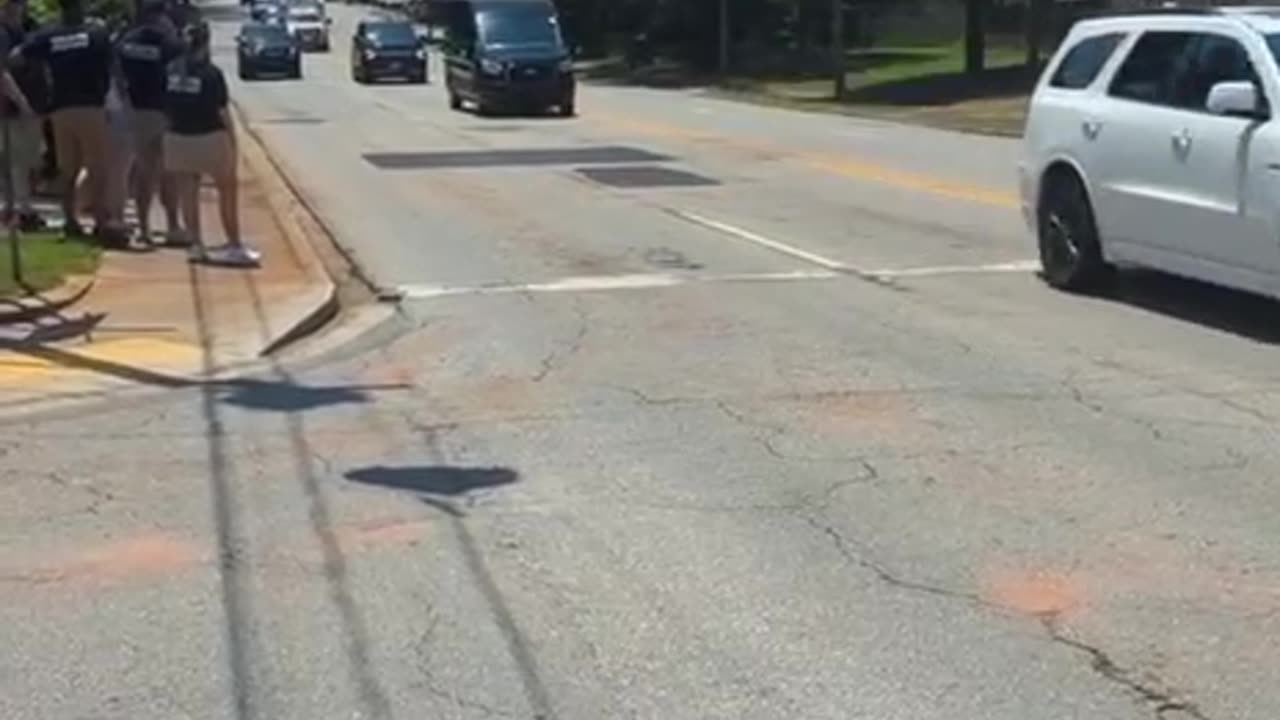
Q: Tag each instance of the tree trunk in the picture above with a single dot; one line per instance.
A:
(838, 63)
(1035, 13)
(975, 41)
(724, 37)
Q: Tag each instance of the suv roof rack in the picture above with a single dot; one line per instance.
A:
(1171, 8)
(1161, 9)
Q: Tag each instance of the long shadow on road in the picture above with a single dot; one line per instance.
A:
(447, 489)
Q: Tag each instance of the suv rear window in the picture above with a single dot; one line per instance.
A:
(1081, 65)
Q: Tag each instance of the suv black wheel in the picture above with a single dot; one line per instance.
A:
(567, 108)
(455, 102)
(1070, 252)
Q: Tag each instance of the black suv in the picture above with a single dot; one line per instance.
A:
(507, 54)
(387, 48)
(263, 49)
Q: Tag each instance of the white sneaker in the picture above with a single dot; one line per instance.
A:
(236, 256)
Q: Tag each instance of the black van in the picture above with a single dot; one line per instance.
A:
(506, 54)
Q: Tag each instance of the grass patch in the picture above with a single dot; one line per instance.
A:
(47, 259)
(924, 84)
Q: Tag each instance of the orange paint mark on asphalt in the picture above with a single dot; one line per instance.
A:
(1040, 593)
(859, 413)
(381, 532)
(137, 558)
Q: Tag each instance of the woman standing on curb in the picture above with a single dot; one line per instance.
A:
(200, 141)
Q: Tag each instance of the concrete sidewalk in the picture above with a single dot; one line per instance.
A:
(154, 319)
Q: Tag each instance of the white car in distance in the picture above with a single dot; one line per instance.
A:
(308, 23)
(1152, 140)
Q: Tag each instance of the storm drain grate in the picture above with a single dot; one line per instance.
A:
(645, 176)
(604, 155)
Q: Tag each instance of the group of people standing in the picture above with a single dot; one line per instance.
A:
(132, 113)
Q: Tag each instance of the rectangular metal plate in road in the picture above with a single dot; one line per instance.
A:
(645, 176)
(604, 155)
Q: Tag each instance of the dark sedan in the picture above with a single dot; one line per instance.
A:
(267, 49)
(387, 48)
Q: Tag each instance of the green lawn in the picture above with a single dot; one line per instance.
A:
(46, 260)
(921, 83)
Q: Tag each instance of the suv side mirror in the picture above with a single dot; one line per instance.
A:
(1236, 99)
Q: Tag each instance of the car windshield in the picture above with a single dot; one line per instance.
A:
(391, 35)
(268, 34)
(1273, 43)
(518, 24)
(304, 14)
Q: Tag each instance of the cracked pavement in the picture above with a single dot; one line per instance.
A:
(953, 496)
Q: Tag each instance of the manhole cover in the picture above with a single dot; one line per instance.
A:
(604, 155)
(646, 176)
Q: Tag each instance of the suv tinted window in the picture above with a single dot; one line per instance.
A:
(1179, 68)
(1081, 65)
(1215, 59)
(1150, 71)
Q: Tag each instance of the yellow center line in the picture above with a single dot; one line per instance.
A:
(842, 166)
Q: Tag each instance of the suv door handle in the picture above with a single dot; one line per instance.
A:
(1182, 141)
(1091, 128)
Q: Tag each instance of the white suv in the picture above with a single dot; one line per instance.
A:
(1152, 141)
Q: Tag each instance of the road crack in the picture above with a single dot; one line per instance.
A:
(558, 356)
(1164, 702)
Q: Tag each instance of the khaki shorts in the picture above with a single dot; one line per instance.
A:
(149, 127)
(209, 154)
(27, 141)
(80, 135)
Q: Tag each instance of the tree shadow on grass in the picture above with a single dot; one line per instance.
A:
(947, 88)
(754, 67)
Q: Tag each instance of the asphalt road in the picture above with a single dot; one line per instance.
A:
(809, 441)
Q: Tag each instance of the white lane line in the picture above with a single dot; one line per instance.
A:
(765, 242)
(599, 283)
(1014, 266)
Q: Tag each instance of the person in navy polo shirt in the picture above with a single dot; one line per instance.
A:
(144, 53)
(24, 125)
(78, 55)
(200, 143)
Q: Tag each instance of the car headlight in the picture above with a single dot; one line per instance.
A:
(566, 65)
(420, 54)
(492, 67)
(370, 55)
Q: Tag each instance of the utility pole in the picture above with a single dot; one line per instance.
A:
(724, 37)
(838, 62)
(975, 41)
(10, 189)
(1035, 10)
